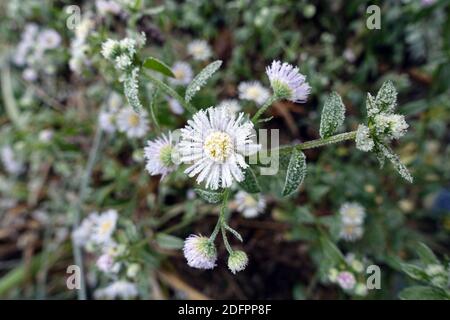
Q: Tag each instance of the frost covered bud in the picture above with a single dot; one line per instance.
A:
(363, 140)
(199, 252)
(392, 126)
(237, 261)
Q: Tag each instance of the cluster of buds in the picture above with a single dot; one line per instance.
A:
(122, 53)
(349, 276)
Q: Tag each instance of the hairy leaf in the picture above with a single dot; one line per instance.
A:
(210, 196)
(333, 115)
(200, 80)
(296, 172)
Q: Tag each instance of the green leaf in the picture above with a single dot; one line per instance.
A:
(131, 89)
(386, 99)
(234, 232)
(296, 172)
(426, 255)
(250, 182)
(333, 115)
(331, 251)
(167, 241)
(200, 80)
(371, 106)
(423, 293)
(158, 66)
(210, 196)
(395, 160)
(413, 271)
(153, 94)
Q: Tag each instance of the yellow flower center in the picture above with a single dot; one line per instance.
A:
(253, 92)
(249, 201)
(179, 74)
(218, 146)
(105, 227)
(133, 120)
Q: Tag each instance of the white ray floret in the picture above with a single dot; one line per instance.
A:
(158, 154)
(134, 125)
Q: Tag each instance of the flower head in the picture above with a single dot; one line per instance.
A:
(200, 252)
(248, 205)
(175, 106)
(351, 232)
(183, 73)
(254, 91)
(104, 226)
(287, 82)
(158, 154)
(199, 50)
(107, 6)
(48, 39)
(105, 263)
(10, 162)
(346, 280)
(352, 213)
(393, 126)
(215, 145)
(363, 140)
(120, 289)
(134, 125)
(237, 261)
(232, 106)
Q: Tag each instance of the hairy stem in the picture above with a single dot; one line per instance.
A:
(265, 106)
(320, 142)
(222, 216)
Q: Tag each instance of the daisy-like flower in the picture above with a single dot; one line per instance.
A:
(175, 106)
(46, 135)
(158, 154)
(115, 101)
(232, 106)
(199, 252)
(215, 145)
(199, 50)
(352, 213)
(11, 164)
(107, 121)
(351, 232)
(287, 82)
(237, 261)
(183, 73)
(105, 7)
(346, 280)
(82, 234)
(120, 289)
(48, 39)
(104, 226)
(134, 125)
(253, 91)
(248, 205)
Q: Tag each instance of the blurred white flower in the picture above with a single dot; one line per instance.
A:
(134, 125)
(352, 213)
(48, 39)
(237, 261)
(349, 55)
(346, 280)
(105, 7)
(27, 42)
(82, 234)
(107, 121)
(104, 226)
(107, 264)
(248, 205)
(183, 73)
(287, 82)
(115, 101)
(158, 154)
(29, 74)
(254, 91)
(351, 232)
(363, 140)
(199, 252)
(10, 162)
(215, 144)
(175, 106)
(120, 289)
(232, 105)
(199, 50)
(46, 135)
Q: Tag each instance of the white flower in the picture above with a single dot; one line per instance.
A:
(48, 39)
(175, 106)
(349, 55)
(82, 234)
(199, 252)
(237, 261)
(158, 154)
(107, 6)
(110, 48)
(363, 140)
(29, 74)
(46, 135)
(346, 280)
(120, 289)
(133, 124)
(199, 50)
(123, 61)
(248, 205)
(106, 121)
(287, 82)
(254, 91)
(392, 126)
(351, 232)
(183, 73)
(11, 164)
(232, 106)
(115, 101)
(352, 213)
(104, 226)
(215, 144)
(105, 263)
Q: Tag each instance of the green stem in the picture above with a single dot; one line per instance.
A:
(225, 240)
(261, 110)
(169, 91)
(222, 216)
(8, 96)
(319, 142)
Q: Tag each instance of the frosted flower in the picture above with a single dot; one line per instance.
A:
(29, 74)
(351, 232)
(11, 164)
(183, 73)
(48, 39)
(107, 121)
(175, 106)
(135, 125)
(237, 261)
(158, 154)
(248, 205)
(287, 82)
(199, 252)
(123, 62)
(110, 48)
(199, 50)
(232, 106)
(215, 145)
(115, 101)
(363, 140)
(120, 289)
(346, 280)
(254, 91)
(390, 125)
(46, 135)
(352, 213)
(104, 226)
(105, 7)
